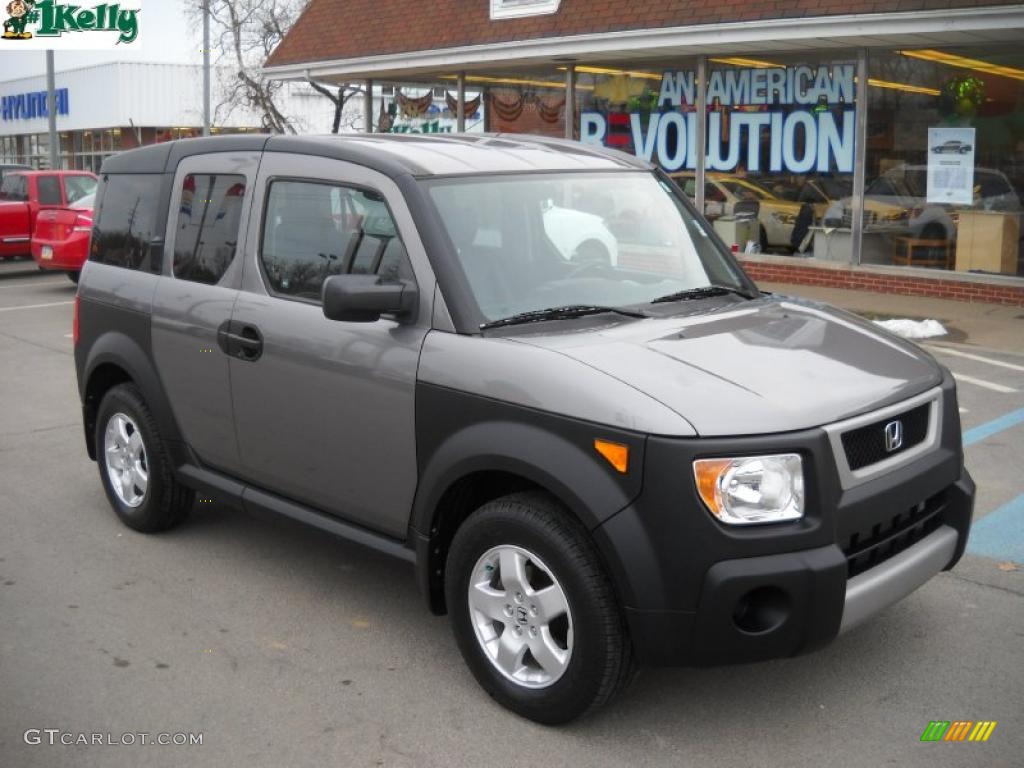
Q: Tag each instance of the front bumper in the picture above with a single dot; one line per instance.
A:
(700, 593)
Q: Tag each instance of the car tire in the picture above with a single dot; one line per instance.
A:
(73, 276)
(134, 465)
(575, 627)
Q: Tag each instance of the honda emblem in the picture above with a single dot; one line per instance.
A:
(893, 436)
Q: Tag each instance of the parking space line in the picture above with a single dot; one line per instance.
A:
(1000, 533)
(984, 384)
(989, 428)
(979, 358)
(37, 306)
(38, 282)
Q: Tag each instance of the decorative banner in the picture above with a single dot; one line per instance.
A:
(951, 165)
(413, 107)
(470, 106)
(808, 115)
(508, 104)
(550, 112)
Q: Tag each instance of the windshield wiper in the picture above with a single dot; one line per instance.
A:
(703, 293)
(558, 313)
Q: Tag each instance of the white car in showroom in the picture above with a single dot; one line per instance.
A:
(581, 236)
(776, 217)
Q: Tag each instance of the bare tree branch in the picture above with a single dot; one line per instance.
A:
(339, 99)
(244, 34)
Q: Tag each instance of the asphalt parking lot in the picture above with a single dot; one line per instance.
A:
(283, 647)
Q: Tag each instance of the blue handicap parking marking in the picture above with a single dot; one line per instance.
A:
(1000, 534)
(989, 428)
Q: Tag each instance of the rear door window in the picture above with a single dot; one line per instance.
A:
(312, 230)
(126, 219)
(49, 190)
(209, 217)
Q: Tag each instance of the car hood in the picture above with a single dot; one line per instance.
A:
(782, 206)
(774, 364)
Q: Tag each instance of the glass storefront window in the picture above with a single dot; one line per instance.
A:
(647, 110)
(522, 101)
(427, 108)
(945, 159)
(780, 134)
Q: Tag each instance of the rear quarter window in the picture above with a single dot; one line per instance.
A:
(126, 219)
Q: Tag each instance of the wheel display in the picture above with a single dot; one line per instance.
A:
(134, 466)
(533, 611)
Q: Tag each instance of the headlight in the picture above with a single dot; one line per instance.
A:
(752, 489)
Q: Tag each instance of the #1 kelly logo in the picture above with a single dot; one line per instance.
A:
(28, 19)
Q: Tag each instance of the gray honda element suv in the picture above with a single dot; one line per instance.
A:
(528, 367)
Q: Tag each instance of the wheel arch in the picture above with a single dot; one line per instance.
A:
(486, 461)
(113, 359)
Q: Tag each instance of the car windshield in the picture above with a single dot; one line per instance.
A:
(535, 241)
(89, 201)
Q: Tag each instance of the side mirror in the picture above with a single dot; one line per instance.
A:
(364, 298)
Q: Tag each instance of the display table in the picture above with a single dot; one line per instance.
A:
(737, 232)
(836, 244)
(938, 252)
(988, 241)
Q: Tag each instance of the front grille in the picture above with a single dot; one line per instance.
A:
(866, 445)
(870, 218)
(869, 547)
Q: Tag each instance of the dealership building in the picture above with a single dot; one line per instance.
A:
(883, 142)
(108, 108)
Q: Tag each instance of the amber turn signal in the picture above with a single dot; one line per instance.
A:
(615, 454)
(708, 471)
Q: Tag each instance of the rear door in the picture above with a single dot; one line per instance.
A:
(325, 410)
(14, 216)
(202, 270)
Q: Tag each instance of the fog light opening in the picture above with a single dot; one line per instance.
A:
(761, 610)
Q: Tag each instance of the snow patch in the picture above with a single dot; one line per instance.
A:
(913, 329)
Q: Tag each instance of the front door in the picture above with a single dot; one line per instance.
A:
(324, 410)
(202, 271)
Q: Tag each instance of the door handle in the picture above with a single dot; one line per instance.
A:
(249, 343)
(242, 341)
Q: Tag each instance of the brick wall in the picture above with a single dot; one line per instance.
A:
(908, 284)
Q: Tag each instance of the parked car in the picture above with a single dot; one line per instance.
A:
(23, 194)
(591, 467)
(580, 236)
(898, 200)
(953, 146)
(60, 240)
(777, 218)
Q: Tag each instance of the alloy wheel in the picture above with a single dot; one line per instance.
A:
(125, 456)
(521, 616)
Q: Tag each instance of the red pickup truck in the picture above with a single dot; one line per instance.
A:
(23, 194)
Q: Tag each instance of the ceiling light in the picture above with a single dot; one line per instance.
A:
(963, 62)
